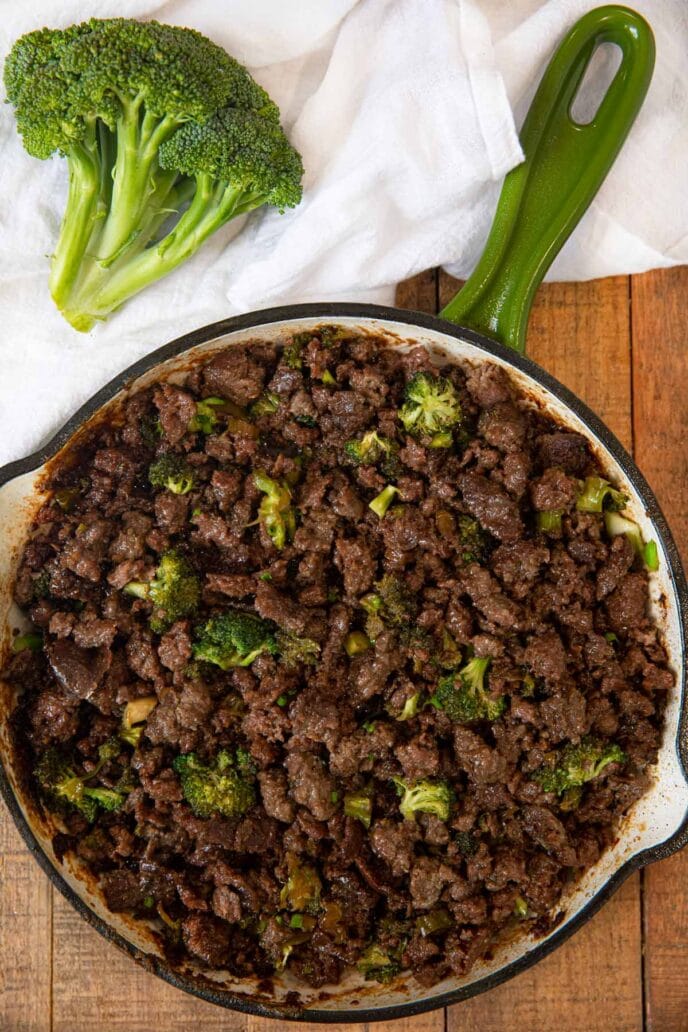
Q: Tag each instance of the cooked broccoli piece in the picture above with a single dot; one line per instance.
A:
(409, 709)
(356, 642)
(275, 511)
(369, 449)
(521, 909)
(615, 524)
(173, 473)
(60, 782)
(381, 502)
(175, 590)
(302, 888)
(597, 494)
(224, 786)
(151, 431)
(472, 539)
(577, 764)
(431, 407)
(293, 650)
(360, 806)
(292, 355)
(464, 696)
(31, 642)
(265, 405)
(392, 604)
(426, 796)
(166, 137)
(328, 379)
(378, 965)
(209, 413)
(136, 713)
(233, 639)
(465, 843)
(549, 521)
(435, 921)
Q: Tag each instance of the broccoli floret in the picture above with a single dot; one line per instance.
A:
(233, 639)
(577, 764)
(431, 407)
(173, 473)
(597, 494)
(224, 786)
(301, 891)
(265, 405)
(369, 449)
(275, 512)
(426, 796)
(472, 539)
(378, 965)
(392, 604)
(294, 650)
(175, 590)
(464, 697)
(160, 128)
(60, 782)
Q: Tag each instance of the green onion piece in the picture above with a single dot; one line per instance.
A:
(549, 522)
(328, 378)
(27, 642)
(435, 921)
(611, 637)
(651, 556)
(356, 642)
(381, 503)
(369, 726)
(296, 921)
(282, 700)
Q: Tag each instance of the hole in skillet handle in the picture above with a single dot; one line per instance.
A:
(601, 71)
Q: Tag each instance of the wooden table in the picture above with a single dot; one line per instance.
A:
(622, 345)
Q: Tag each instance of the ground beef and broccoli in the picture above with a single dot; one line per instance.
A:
(338, 659)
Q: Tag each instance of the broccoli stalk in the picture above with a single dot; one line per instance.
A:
(425, 796)
(173, 473)
(597, 494)
(360, 806)
(224, 786)
(158, 125)
(275, 511)
(233, 639)
(175, 590)
(432, 407)
(136, 713)
(577, 764)
(463, 695)
(381, 502)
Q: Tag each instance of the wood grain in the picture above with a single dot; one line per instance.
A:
(660, 419)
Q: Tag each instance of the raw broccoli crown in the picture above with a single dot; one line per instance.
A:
(424, 796)
(247, 149)
(58, 779)
(431, 405)
(578, 764)
(233, 639)
(173, 473)
(224, 786)
(60, 80)
(175, 590)
(464, 697)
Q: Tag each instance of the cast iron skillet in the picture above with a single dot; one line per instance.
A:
(541, 202)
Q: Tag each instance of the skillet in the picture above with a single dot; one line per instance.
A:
(541, 202)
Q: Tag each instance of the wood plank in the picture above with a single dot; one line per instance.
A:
(580, 332)
(433, 1022)
(660, 377)
(97, 988)
(420, 293)
(25, 936)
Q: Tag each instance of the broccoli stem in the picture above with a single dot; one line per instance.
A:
(82, 213)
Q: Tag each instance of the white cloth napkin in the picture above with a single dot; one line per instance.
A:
(403, 111)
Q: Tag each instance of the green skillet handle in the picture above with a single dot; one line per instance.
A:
(543, 199)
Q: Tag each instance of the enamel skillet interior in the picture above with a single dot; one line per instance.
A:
(541, 202)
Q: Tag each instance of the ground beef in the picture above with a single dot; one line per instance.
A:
(560, 617)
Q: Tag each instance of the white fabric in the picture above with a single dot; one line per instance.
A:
(402, 110)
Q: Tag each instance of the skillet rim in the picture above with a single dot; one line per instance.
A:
(321, 311)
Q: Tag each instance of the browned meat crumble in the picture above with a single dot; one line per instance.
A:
(561, 614)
